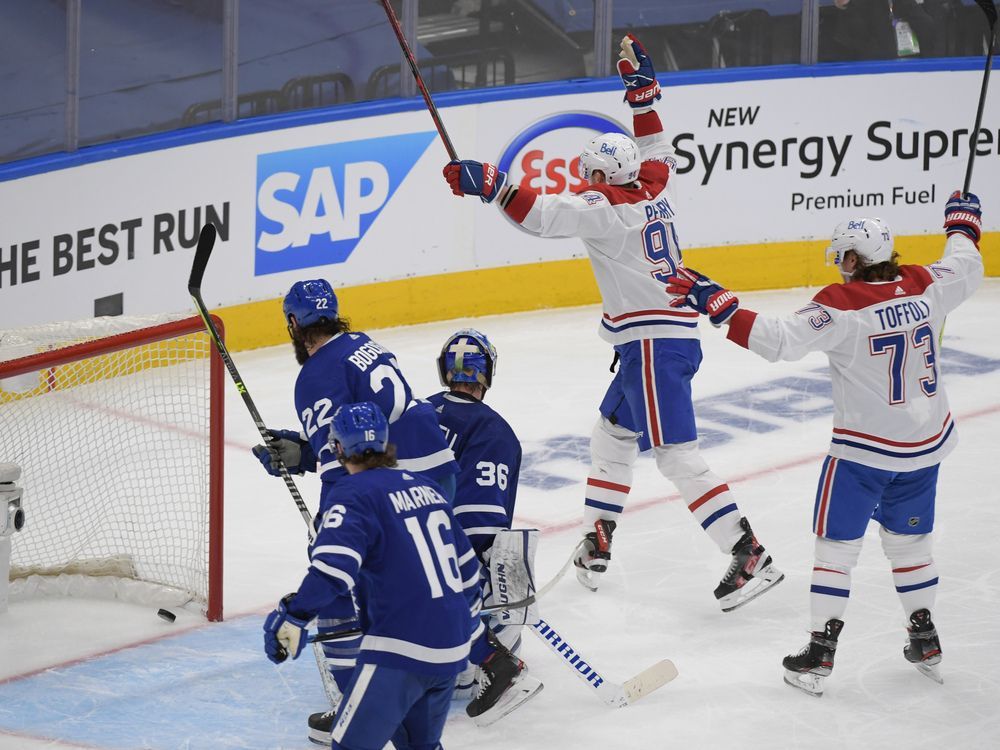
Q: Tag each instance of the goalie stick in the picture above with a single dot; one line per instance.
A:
(206, 242)
(611, 693)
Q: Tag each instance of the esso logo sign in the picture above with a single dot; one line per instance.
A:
(545, 156)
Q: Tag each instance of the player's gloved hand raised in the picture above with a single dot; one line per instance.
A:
(284, 634)
(469, 177)
(704, 295)
(636, 69)
(962, 213)
(294, 451)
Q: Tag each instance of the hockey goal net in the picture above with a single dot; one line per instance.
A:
(117, 424)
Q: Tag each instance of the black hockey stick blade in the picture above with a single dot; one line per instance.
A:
(206, 241)
(990, 9)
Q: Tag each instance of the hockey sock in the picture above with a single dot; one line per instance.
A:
(613, 450)
(604, 500)
(831, 580)
(913, 570)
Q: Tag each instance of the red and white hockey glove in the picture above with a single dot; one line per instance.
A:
(636, 69)
(699, 292)
(469, 177)
(962, 213)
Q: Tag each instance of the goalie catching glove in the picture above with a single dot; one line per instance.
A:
(284, 633)
(699, 292)
(294, 451)
(469, 177)
(636, 70)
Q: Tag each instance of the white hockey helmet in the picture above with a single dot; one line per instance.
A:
(614, 154)
(871, 239)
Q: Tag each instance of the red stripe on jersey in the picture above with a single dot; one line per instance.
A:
(651, 415)
(857, 295)
(830, 570)
(639, 313)
(608, 485)
(648, 123)
(910, 569)
(825, 498)
(739, 327)
(518, 208)
(896, 443)
(708, 496)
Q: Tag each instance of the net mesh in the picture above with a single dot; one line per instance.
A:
(114, 452)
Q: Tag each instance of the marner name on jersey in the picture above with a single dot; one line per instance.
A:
(415, 497)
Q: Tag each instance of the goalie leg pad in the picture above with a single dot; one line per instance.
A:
(512, 575)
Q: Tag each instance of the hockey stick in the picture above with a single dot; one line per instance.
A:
(990, 10)
(613, 694)
(206, 242)
(408, 53)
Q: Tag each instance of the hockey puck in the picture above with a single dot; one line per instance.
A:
(166, 614)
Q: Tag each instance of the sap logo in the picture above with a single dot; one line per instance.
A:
(545, 156)
(315, 204)
(609, 150)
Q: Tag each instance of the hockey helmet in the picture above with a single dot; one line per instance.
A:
(467, 357)
(358, 428)
(614, 154)
(871, 239)
(311, 301)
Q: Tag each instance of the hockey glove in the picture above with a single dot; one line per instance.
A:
(295, 453)
(962, 213)
(469, 177)
(284, 633)
(704, 295)
(636, 69)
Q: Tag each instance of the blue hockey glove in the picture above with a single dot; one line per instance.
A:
(962, 213)
(636, 69)
(295, 453)
(704, 295)
(469, 177)
(284, 634)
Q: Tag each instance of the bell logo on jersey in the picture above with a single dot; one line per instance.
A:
(315, 204)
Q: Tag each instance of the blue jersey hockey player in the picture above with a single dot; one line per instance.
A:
(390, 535)
(489, 459)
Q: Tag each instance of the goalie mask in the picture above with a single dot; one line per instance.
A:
(467, 357)
(614, 154)
(871, 239)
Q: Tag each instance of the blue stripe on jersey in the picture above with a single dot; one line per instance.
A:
(829, 591)
(896, 454)
(717, 515)
(917, 586)
(636, 324)
(610, 507)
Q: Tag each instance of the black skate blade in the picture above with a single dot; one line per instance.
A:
(809, 684)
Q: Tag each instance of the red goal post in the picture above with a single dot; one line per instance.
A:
(118, 426)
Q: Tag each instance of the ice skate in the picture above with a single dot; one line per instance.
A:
(503, 686)
(321, 727)
(924, 649)
(807, 669)
(595, 553)
(750, 572)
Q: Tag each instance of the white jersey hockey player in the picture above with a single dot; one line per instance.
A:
(892, 425)
(625, 218)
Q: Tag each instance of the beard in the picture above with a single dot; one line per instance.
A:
(301, 353)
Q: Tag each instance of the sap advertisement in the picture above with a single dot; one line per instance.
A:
(359, 201)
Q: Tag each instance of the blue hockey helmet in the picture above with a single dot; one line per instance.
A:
(358, 428)
(311, 301)
(467, 357)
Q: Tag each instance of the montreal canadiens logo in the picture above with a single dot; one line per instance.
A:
(545, 156)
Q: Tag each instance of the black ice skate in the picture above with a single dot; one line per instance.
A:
(807, 669)
(750, 572)
(595, 553)
(503, 686)
(924, 649)
(321, 727)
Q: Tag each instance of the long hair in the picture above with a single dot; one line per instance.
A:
(372, 460)
(887, 270)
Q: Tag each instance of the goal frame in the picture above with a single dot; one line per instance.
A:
(151, 335)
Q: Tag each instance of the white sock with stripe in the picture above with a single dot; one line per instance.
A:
(914, 573)
(613, 450)
(831, 580)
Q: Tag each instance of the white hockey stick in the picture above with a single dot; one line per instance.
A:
(613, 694)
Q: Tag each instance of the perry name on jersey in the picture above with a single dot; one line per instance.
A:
(392, 535)
(350, 368)
(489, 455)
(891, 410)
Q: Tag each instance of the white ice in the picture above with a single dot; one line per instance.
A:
(71, 678)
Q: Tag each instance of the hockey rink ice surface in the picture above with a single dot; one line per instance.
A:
(86, 674)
